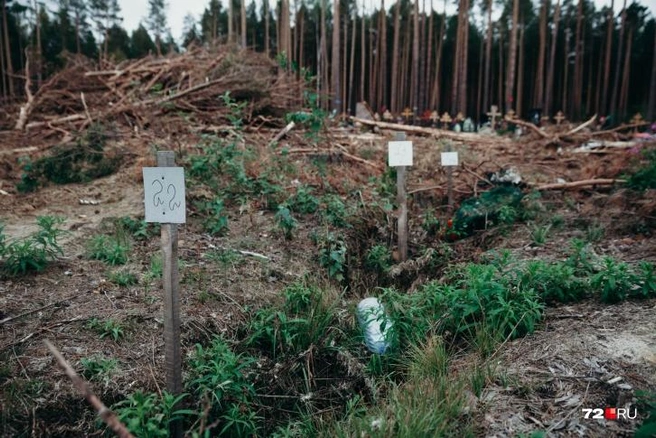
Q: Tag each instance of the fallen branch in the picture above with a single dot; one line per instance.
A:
(38, 309)
(581, 126)
(528, 125)
(583, 183)
(282, 133)
(103, 411)
(26, 109)
(335, 151)
(425, 189)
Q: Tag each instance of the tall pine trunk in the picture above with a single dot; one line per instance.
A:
(244, 43)
(549, 92)
(414, 83)
(487, 92)
(363, 51)
(578, 63)
(618, 64)
(520, 75)
(512, 58)
(267, 48)
(231, 15)
(394, 103)
(609, 45)
(336, 91)
(349, 103)
(542, 55)
(429, 57)
(382, 44)
(624, 94)
(651, 105)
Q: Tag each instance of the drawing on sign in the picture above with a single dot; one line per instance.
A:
(400, 153)
(164, 197)
(449, 158)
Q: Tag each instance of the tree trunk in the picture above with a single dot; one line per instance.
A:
(436, 98)
(618, 63)
(564, 105)
(479, 88)
(542, 55)
(651, 105)
(382, 96)
(323, 57)
(624, 94)
(337, 104)
(520, 75)
(231, 15)
(609, 45)
(512, 58)
(429, 58)
(552, 63)
(394, 104)
(501, 70)
(349, 103)
(244, 32)
(578, 63)
(488, 59)
(9, 68)
(421, 104)
(344, 66)
(363, 51)
(2, 67)
(414, 83)
(464, 55)
(267, 48)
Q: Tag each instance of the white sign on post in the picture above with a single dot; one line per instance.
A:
(400, 153)
(164, 195)
(449, 158)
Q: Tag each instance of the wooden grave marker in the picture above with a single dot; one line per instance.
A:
(400, 156)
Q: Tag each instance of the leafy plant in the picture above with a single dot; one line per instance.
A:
(123, 278)
(334, 210)
(99, 368)
(645, 176)
(34, 252)
(149, 415)
(430, 223)
(615, 281)
(539, 234)
(332, 256)
(378, 259)
(216, 222)
(554, 282)
(140, 229)
(303, 201)
(594, 232)
(108, 249)
(108, 328)
(286, 221)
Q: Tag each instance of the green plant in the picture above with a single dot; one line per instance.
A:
(216, 222)
(303, 202)
(108, 249)
(378, 259)
(430, 223)
(647, 405)
(140, 229)
(218, 375)
(334, 210)
(34, 252)
(150, 415)
(647, 281)
(156, 266)
(581, 257)
(554, 282)
(123, 278)
(507, 214)
(332, 256)
(594, 232)
(108, 328)
(615, 281)
(645, 176)
(539, 234)
(286, 221)
(557, 221)
(235, 110)
(99, 368)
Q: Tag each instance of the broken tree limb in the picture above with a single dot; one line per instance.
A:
(38, 309)
(282, 133)
(339, 151)
(581, 126)
(26, 109)
(103, 411)
(528, 125)
(577, 184)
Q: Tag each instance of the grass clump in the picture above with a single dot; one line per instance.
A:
(645, 176)
(108, 328)
(332, 256)
(123, 278)
(150, 415)
(286, 222)
(109, 249)
(34, 252)
(99, 368)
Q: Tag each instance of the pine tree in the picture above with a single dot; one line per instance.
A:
(156, 21)
(141, 44)
(190, 33)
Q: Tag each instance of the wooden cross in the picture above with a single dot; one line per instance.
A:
(407, 113)
(446, 119)
(434, 117)
(460, 116)
(494, 113)
(387, 116)
(376, 117)
(545, 119)
(559, 117)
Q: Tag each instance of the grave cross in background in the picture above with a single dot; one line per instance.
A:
(494, 113)
(434, 117)
(559, 117)
(407, 113)
(460, 117)
(387, 116)
(510, 115)
(446, 119)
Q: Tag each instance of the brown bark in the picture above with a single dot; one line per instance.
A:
(609, 45)
(414, 82)
(512, 58)
(350, 102)
(323, 57)
(542, 55)
(552, 61)
(394, 104)
(436, 97)
(618, 63)
(429, 58)
(230, 21)
(363, 57)
(520, 76)
(267, 13)
(651, 105)
(422, 60)
(462, 91)
(488, 58)
(624, 94)
(9, 68)
(578, 63)
(337, 104)
(344, 68)
(244, 32)
(382, 80)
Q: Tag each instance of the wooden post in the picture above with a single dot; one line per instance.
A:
(449, 182)
(401, 199)
(171, 302)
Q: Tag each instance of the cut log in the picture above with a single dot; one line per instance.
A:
(577, 184)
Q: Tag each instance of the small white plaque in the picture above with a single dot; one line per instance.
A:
(400, 153)
(449, 158)
(164, 195)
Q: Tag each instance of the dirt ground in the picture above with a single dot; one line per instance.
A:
(586, 355)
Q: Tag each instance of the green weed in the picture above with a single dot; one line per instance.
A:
(430, 223)
(539, 234)
(123, 278)
(108, 328)
(150, 415)
(332, 256)
(303, 202)
(109, 249)
(286, 221)
(615, 281)
(139, 229)
(99, 368)
(594, 232)
(334, 211)
(216, 222)
(378, 259)
(33, 253)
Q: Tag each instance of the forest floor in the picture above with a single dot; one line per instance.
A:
(584, 354)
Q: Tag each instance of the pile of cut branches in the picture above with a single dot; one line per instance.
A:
(138, 93)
